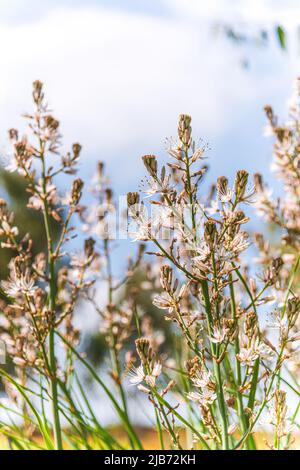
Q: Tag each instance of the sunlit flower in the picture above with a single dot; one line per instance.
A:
(205, 397)
(15, 286)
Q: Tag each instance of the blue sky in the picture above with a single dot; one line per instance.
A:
(119, 72)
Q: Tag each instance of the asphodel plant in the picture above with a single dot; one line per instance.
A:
(227, 377)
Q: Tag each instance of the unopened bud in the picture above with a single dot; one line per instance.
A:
(13, 134)
(133, 198)
(258, 182)
(210, 232)
(166, 275)
(37, 92)
(100, 168)
(76, 191)
(184, 129)
(109, 195)
(76, 150)
(51, 123)
(150, 163)
(293, 310)
(144, 350)
(222, 185)
(269, 112)
(89, 247)
(240, 183)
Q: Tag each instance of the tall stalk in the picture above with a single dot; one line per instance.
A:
(217, 369)
(52, 305)
(241, 412)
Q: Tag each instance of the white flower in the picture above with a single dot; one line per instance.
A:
(140, 228)
(276, 321)
(162, 216)
(16, 285)
(206, 397)
(256, 349)
(8, 230)
(232, 429)
(156, 371)
(174, 148)
(164, 301)
(240, 242)
(35, 202)
(202, 379)
(219, 334)
(50, 190)
(143, 389)
(137, 375)
(203, 252)
(247, 356)
(157, 186)
(225, 195)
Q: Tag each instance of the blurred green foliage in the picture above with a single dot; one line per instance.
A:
(13, 189)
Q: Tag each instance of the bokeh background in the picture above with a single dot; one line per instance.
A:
(118, 73)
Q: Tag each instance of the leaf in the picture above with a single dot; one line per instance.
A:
(281, 36)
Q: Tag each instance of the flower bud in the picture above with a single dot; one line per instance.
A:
(37, 92)
(184, 129)
(144, 350)
(76, 150)
(293, 310)
(150, 163)
(76, 191)
(13, 134)
(100, 168)
(166, 275)
(269, 112)
(51, 123)
(109, 195)
(89, 247)
(258, 182)
(133, 198)
(240, 183)
(222, 185)
(210, 232)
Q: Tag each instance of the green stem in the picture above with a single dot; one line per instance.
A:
(241, 412)
(217, 369)
(159, 430)
(52, 296)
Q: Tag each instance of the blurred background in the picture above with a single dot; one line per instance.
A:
(118, 72)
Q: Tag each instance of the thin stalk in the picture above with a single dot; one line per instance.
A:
(217, 369)
(159, 430)
(241, 412)
(117, 407)
(254, 382)
(52, 297)
(162, 401)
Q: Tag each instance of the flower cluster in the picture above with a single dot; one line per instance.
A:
(233, 360)
(229, 349)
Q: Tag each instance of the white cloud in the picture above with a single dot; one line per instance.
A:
(118, 80)
(259, 12)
